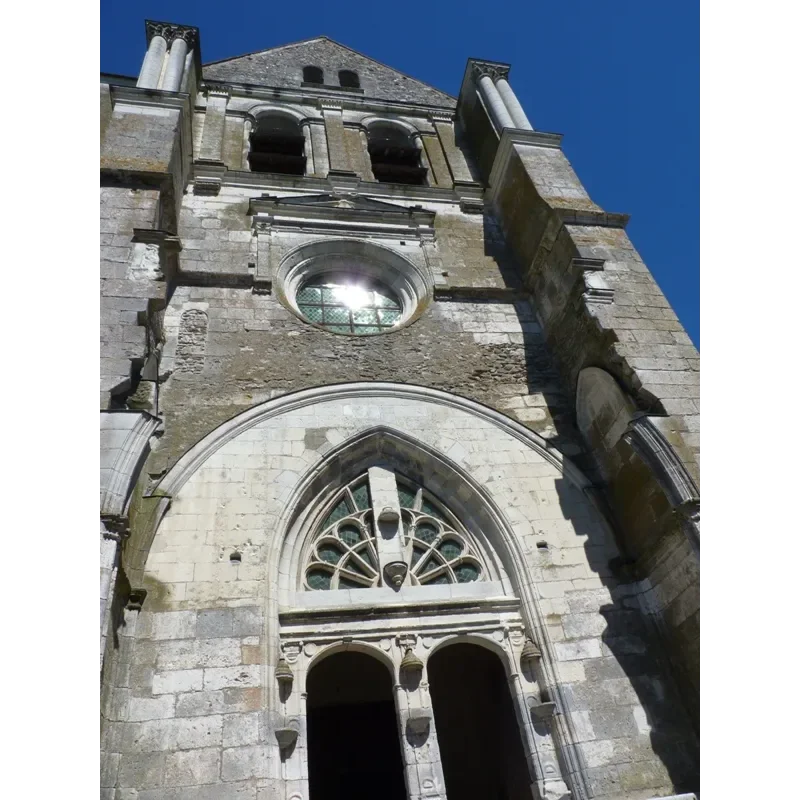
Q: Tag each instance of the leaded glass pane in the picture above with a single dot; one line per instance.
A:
(426, 532)
(340, 302)
(342, 510)
(406, 496)
(361, 496)
(417, 554)
(431, 564)
(366, 555)
(313, 313)
(350, 534)
(388, 316)
(319, 579)
(329, 553)
(439, 579)
(353, 566)
(310, 294)
(466, 573)
(450, 549)
(385, 301)
(335, 315)
(429, 508)
(365, 316)
(329, 295)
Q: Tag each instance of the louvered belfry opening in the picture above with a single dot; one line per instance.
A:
(277, 145)
(349, 79)
(313, 75)
(395, 157)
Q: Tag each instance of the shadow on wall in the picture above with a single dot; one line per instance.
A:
(547, 410)
(631, 649)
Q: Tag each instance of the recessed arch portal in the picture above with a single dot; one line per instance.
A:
(353, 741)
(480, 741)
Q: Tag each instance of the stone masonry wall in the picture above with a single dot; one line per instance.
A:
(283, 66)
(188, 717)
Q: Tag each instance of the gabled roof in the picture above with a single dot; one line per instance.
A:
(282, 66)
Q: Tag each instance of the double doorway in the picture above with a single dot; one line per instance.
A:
(356, 739)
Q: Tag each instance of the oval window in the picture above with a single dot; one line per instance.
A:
(349, 304)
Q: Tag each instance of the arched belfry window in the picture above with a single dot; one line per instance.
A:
(349, 79)
(277, 144)
(313, 75)
(394, 155)
(382, 527)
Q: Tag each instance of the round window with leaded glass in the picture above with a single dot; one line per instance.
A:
(349, 304)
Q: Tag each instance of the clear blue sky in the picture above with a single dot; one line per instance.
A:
(619, 78)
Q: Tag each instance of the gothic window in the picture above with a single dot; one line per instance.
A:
(394, 155)
(277, 145)
(313, 75)
(349, 79)
(348, 304)
(347, 554)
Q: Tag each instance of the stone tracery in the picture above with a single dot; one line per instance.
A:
(346, 553)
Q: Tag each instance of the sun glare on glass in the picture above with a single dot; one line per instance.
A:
(353, 297)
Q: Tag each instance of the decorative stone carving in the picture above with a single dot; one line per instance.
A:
(411, 663)
(283, 672)
(396, 573)
(170, 32)
(419, 720)
(530, 653)
(286, 737)
(493, 69)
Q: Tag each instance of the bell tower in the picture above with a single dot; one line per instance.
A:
(399, 440)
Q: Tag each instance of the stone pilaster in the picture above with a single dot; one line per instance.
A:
(211, 145)
(440, 173)
(334, 131)
(459, 169)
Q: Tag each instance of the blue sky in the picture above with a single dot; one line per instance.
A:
(619, 78)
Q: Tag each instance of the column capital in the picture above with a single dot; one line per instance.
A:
(330, 105)
(440, 116)
(170, 31)
(493, 69)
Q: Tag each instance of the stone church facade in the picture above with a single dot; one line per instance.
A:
(400, 447)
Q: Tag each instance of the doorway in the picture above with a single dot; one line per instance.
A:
(353, 740)
(479, 738)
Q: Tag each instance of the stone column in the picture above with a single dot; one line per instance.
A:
(368, 175)
(214, 126)
(438, 162)
(496, 107)
(175, 64)
(153, 61)
(512, 104)
(308, 146)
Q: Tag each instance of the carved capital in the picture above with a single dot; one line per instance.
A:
(330, 105)
(490, 68)
(219, 91)
(170, 32)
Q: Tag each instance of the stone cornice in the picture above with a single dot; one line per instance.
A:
(220, 176)
(303, 96)
(343, 214)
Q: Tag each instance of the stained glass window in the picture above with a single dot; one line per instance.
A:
(346, 554)
(349, 304)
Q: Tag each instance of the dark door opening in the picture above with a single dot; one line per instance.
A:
(479, 738)
(353, 740)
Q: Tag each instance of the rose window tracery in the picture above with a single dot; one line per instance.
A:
(347, 554)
